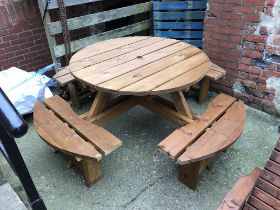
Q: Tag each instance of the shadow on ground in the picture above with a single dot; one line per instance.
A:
(137, 176)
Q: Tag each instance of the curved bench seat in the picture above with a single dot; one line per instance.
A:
(218, 137)
(65, 131)
(194, 145)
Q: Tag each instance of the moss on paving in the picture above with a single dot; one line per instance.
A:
(137, 176)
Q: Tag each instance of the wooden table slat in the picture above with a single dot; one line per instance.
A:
(145, 71)
(116, 71)
(108, 55)
(136, 54)
(104, 46)
(158, 79)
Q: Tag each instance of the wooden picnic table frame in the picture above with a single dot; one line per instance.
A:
(103, 110)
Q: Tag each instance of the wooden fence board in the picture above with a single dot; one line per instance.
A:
(100, 17)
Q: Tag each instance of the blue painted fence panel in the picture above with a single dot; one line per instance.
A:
(188, 15)
(158, 25)
(179, 34)
(181, 20)
(182, 5)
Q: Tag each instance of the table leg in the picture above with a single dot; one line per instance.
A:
(181, 104)
(98, 105)
(204, 89)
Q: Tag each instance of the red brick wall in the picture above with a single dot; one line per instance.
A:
(242, 36)
(22, 37)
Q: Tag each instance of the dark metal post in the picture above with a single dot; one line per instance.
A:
(13, 126)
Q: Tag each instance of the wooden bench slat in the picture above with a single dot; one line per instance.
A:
(273, 167)
(277, 147)
(268, 188)
(221, 135)
(271, 178)
(248, 207)
(238, 194)
(258, 204)
(175, 144)
(104, 141)
(65, 79)
(266, 198)
(215, 72)
(275, 156)
(66, 140)
(62, 72)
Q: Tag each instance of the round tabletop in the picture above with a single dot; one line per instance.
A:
(139, 65)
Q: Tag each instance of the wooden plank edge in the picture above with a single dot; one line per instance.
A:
(119, 32)
(244, 182)
(99, 17)
(98, 156)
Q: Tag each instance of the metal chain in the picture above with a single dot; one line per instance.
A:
(65, 31)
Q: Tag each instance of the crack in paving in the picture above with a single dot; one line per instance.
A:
(143, 190)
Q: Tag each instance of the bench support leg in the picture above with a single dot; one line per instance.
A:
(92, 171)
(98, 105)
(203, 91)
(74, 95)
(189, 174)
(181, 104)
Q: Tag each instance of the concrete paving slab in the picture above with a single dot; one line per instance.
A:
(9, 199)
(137, 176)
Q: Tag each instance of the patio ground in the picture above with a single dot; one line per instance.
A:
(137, 176)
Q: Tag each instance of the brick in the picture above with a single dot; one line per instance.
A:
(232, 16)
(257, 100)
(242, 75)
(249, 45)
(262, 80)
(267, 74)
(5, 45)
(270, 2)
(256, 38)
(276, 40)
(250, 69)
(252, 53)
(236, 2)
(252, 17)
(254, 2)
(18, 42)
(6, 55)
(274, 50)
(245, 60)
(260, 46)
(231, 65)
(267, 103)
(9, 37)
(236, 39)
(238, 24)
(253, 77)
(274, 66)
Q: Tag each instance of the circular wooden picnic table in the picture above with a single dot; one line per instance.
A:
(140, 66)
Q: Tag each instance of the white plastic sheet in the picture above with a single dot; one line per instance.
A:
(24, 89)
